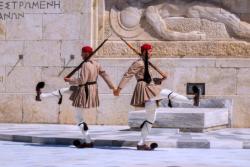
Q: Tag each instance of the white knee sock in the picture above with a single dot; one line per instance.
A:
(80, 122)
(175, 96)
(150, 107)
(54, 93)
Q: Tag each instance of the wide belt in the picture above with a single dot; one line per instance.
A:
(139, 80)
(156, 81)
(87, 88)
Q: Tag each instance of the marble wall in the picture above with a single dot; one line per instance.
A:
(47, 37)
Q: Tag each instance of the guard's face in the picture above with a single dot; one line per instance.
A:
(85, 55)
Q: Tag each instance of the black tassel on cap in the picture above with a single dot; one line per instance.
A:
(147, 77)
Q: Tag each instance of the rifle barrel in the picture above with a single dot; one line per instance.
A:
(80, 65)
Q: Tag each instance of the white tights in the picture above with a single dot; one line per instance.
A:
(150, 107)
(78, 112)
(55, 93)
(80, 122)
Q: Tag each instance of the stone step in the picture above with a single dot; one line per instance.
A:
(185, 119)
(176, 143)
(121, 136)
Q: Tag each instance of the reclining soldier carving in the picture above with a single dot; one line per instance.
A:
(131, 12)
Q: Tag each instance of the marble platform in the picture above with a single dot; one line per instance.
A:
(210, 115)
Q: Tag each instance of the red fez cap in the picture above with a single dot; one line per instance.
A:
(146, 46)
(87, 49)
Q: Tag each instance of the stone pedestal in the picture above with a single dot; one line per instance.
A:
(186, 118)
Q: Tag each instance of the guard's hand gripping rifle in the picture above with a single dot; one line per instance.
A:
(41, 85)
(86, 59)
(156, 80)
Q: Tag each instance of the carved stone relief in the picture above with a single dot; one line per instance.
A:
(176, 20)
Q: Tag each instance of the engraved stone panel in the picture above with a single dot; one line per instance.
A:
(27, 28)
(42, 53)
(9, 51)
(30, 7)
(61, 26)
(22, 79)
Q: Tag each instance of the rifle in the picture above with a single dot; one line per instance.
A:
(86, 59)
(41, 85)
(153, 66)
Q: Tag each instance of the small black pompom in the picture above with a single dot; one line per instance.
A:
(40, 85)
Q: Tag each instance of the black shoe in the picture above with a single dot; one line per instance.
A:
(38, 98)
(39, 86)
(144, 147)
(78, 144)
(86, 145)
